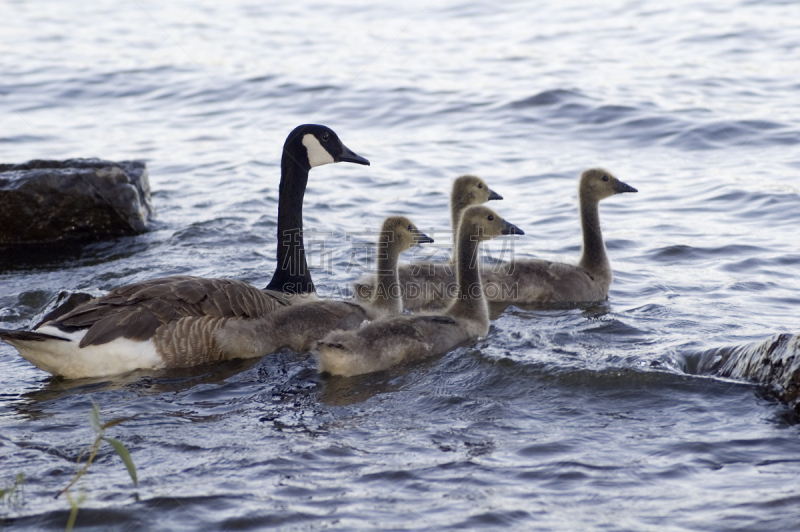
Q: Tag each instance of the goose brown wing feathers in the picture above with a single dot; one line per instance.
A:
(136, 311)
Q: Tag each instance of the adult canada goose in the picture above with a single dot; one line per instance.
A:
(141, 325)
(386, 342)
(299, 327)
(542, 281)
(431, 284)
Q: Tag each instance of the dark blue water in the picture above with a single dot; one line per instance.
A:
(593, 418)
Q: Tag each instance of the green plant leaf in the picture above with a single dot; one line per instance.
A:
(117, 421)
(94, 419)
(74, 507)
(17, 484)
(73, 515)
(123, 453)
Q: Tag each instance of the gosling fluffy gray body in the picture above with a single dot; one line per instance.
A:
(387, 342)
(299, 327)
(431, 285)
(542, 281)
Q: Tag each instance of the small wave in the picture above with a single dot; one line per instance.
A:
(734, 133)
(494, 519)
(23, 139)
(683, 253)
(209, 233)
(646, 124)
(550, 97)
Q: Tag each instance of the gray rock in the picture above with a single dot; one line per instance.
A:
(76, 199)
(773, 363)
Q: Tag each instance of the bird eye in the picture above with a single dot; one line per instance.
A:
(410, 228)
(491, 217)
(326, 137)
(480, 185)
(605, 178)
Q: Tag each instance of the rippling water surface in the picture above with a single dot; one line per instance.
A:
(562, 419)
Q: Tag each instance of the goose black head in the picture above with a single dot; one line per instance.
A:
(313, 145)
(599, 184)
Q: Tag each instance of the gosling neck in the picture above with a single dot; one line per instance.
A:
(291, 273)
(469, 301)
(594, 258)
(457, 205)
(387, 296)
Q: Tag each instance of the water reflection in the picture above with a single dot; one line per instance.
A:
(345, 391)
(37, 403)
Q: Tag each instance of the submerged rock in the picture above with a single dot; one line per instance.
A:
(75, 199)
(773, 363)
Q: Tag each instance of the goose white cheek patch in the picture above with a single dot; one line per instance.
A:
(317, 155)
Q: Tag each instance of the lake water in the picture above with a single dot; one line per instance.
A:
(591, 418)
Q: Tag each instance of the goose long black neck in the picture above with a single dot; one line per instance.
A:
(291, 273)
(594, 259)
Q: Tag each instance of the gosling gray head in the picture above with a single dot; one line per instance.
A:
(472, 190)
(485, 223)
(405, 232)
(599, 184)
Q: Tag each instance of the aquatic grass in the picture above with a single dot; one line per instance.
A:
(13, 493)
(99, 429)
